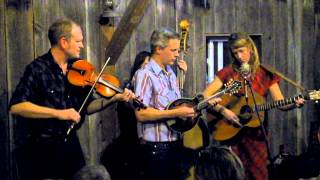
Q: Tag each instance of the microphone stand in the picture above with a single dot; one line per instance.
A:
(263, 129)
(246, 84)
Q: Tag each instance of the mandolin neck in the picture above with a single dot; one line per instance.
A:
(205, 103)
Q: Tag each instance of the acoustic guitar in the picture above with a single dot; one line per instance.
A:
(244, 108)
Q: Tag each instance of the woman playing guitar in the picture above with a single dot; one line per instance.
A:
(249, 145)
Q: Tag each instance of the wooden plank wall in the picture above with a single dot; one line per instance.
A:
(316, 53)
(4, 123)
(288, 43)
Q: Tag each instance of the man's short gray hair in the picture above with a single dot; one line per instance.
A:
(161, 37)
(60, 28)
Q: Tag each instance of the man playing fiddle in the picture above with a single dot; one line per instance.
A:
(48, 103)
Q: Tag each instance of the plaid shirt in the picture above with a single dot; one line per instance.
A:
(43, 83)
(249, 144)
(156, 88)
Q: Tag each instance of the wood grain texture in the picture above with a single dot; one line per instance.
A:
(290, 40)
(4, 116)
(19, 52)
(45, 13)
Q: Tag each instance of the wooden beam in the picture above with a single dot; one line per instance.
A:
(128, 23)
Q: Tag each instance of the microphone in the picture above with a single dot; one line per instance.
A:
(245, 72)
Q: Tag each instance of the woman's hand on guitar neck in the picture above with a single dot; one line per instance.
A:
(298, 104)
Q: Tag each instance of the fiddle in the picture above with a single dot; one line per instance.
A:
(82, 73)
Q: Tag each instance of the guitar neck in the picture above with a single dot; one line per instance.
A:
(279, 103)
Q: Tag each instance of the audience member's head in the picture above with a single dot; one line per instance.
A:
(218, 163)
(92, 172)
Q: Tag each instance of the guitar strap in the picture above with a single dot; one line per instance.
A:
(274, 71)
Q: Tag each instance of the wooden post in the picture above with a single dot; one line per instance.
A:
(19, 52)
(4, 117)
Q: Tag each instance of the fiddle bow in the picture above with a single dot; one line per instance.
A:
(87, 97)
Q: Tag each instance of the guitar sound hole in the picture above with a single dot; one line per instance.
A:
(245, 114)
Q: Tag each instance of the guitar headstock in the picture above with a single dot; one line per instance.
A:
(232, 87)
(314, 95)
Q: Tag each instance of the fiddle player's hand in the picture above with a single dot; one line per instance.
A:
(126, 96)
(299, 102)
(182, 65)
(184, 111)
(214, 101)
(68, 114)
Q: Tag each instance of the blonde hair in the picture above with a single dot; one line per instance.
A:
(242, 39)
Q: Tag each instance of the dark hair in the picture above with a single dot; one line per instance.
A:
(218, 163)
(60, 28)
(96, 172)
(138, 62)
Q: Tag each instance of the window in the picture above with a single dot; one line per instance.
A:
(218, 54)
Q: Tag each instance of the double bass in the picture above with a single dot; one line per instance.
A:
(184, 36)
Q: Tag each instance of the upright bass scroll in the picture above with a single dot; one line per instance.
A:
(184, 35)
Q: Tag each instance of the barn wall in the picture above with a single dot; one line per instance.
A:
(289, 31)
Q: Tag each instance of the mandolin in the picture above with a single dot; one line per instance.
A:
(181, 125)
(224, 129)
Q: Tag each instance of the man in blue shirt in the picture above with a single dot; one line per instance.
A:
(156, 85)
